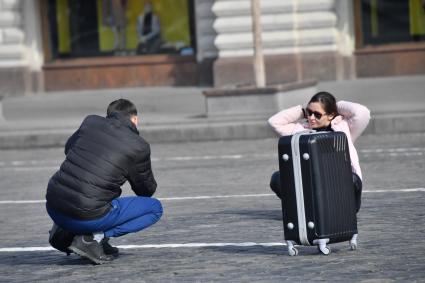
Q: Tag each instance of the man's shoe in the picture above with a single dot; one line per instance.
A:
(108, 249)
(60, 239)
(85, 246)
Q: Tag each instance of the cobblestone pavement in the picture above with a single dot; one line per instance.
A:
(391, 221)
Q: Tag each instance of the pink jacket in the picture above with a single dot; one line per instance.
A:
(352, 120)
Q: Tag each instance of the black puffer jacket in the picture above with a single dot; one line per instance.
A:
(100, 157)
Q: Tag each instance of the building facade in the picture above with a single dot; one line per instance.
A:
(49, 45)
(320, 39)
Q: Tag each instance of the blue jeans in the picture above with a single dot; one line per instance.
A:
(127, 215)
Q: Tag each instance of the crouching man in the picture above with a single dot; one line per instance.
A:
(83, 197)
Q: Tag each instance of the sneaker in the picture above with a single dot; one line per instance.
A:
(85, 246)
(108, 249)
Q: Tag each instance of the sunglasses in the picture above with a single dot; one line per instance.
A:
(316, 114)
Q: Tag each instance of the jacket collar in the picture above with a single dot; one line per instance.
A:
(328, 128)
(123, 120)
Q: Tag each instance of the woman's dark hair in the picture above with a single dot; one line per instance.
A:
(327, 100)
(122, 106)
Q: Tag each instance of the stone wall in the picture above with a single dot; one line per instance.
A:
(20, 44)
(288, 26)
(13, 72)
(295, 35)
(205, 36)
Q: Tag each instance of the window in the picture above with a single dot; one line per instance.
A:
(88, 28)
(392, 21)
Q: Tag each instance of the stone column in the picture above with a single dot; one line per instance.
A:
(20, 47)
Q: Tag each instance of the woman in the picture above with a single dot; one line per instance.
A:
(323, 113)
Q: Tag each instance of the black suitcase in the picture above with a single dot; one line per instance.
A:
(318, 201)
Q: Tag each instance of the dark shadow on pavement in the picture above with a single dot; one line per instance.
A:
(255, 250)
(46, 258)
(304, 251)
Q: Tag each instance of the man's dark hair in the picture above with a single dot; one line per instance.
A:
(122, 106)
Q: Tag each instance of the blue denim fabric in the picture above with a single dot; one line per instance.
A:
(127, 215)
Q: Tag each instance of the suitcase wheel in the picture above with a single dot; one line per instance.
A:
(322, 246)
(326, 250)
(292, 251)
(353, 242)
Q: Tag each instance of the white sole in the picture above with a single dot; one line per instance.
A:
(85, 255)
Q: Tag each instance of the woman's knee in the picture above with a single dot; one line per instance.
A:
(275, 184)
(358, 187)
(358, 184)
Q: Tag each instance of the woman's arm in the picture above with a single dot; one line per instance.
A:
(356, 115)
(286, 122)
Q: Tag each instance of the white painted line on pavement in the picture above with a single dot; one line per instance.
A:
(393, 154)
(202, 245)
(399, 149)
(214, 197)
(22, 201)
(161, 199)
(397, 191)
(27, 165)
(268, 195)
(30, 164)
(26, 249)
(226, 196)
(157, 246)
(40, 168)
(204, 157)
